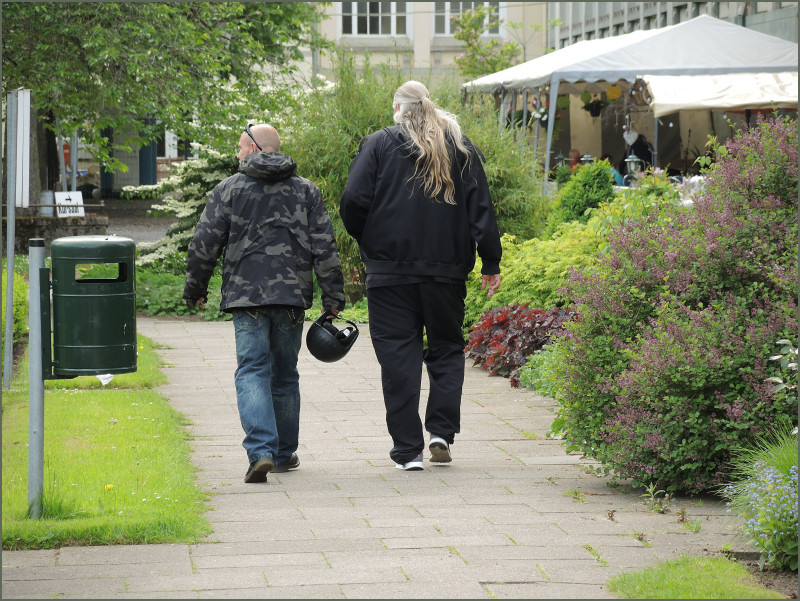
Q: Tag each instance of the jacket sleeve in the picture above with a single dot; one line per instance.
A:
(325, 255)
(357, 196)
(482, 219)
(209, 240)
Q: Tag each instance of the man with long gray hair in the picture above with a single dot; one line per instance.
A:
(418, 204)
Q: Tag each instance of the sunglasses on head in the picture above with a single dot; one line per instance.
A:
(249, 133)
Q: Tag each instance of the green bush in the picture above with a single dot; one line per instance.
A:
(539, 372)
(665, 370)
(161, 293)
(534, 271)
(589, 186)
(563, 175)
(19, 309)
(764, 494)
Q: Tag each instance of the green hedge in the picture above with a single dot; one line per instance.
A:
(19, 309)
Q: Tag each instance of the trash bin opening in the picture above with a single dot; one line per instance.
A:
(101, 273)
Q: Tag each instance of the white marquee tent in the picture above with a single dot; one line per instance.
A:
(672, 93)
(703, 46)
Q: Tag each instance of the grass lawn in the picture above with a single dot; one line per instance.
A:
(692, 578)
(116, 463)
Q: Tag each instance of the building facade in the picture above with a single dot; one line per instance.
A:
(592, 20)
(420, 34)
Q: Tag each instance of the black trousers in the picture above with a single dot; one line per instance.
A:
(397, 316)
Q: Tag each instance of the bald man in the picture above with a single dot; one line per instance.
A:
(276, 234)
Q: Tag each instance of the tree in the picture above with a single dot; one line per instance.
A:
(480, 58)
(197, 69)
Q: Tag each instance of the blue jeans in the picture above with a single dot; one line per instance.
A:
(268, 340)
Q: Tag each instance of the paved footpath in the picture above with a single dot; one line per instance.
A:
(513, 516)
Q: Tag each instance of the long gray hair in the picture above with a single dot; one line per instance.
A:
(429, 127)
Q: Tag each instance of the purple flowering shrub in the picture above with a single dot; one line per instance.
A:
(663, 370)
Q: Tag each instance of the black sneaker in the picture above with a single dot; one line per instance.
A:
(292, 464)
(258, 470)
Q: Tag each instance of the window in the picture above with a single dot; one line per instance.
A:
(374, 18)
(445, 11)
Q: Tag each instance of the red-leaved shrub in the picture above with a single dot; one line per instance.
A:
(504, 337)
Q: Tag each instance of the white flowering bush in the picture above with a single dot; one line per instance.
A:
(765, 497)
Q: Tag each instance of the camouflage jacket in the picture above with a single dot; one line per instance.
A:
(274, 230)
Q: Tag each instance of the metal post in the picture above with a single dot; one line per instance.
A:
(73, 156)
(60, 143)
(524, 117)
(655, 142)
(11, 185)
(35, 380)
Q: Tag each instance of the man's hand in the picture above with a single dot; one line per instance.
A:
(332, 311)
(493, 283)
(196, 302)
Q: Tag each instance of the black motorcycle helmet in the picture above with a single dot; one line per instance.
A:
(326, 342)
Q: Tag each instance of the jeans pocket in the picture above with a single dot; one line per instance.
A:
(296, 316)
(245, 318)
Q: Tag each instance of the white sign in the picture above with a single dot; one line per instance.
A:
(21, 151)
(69, 204)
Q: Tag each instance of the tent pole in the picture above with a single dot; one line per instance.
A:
(501, 119)
(524, 117)
(551, 118)
(655, 142)
(536, 125)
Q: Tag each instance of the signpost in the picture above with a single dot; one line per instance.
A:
(18, 127)
(69, 204)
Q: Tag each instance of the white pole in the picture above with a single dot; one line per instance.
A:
(35, 381)
(24, 148)
(11, 185)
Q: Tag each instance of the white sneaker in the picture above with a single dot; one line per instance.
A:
(440, 450)
(412, 466)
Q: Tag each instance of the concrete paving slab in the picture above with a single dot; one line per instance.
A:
(501, 521)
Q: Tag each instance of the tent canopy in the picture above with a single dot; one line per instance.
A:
(701, 46)
(672, 93)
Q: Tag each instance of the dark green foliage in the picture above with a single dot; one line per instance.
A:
(98, 65)
(563, 175)
(505, 337)
(589, 186)
(19, 310)
(665, 370)
(161, 293)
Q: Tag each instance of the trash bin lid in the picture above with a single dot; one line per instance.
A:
(93, 247)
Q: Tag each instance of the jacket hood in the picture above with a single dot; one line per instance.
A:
(399, 134)
(268, 166)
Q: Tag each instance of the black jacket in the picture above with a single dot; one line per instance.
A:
(401, 231)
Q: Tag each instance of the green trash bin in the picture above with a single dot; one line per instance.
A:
(94, 312)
